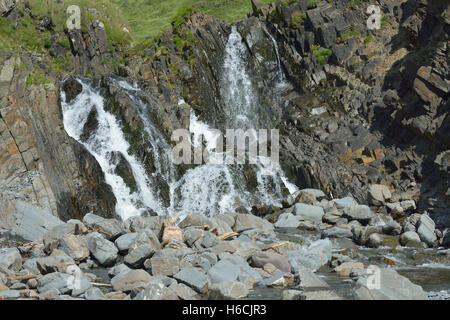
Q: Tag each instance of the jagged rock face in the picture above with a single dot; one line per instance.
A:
(39, 163)
(6, 6)
(91, 50)
(393, 83)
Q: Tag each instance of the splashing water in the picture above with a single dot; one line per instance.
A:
(106, 141)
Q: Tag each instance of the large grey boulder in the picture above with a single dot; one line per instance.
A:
(249, 221)
(374, 241)
(287, 220)
(126, 281)
(183, 291)
(425, 230)
(101, 249)
(59, 261)
(410, 239)
(316, 193)
(136, 257)
(31, 222)
(124, 242)
(194, 220)
(31, 265)
(223, 270)
(74, 246)
(228, 290)
(344, 203)
(309, 212)
(56, 280)
(392, 286)
(313, 257)
(193, 278)
(112, 228)
(360, 213)
(336, 232)
(233, 267)
(379, 194)
(167, 266)
(11, 258)
(260, 259)
(118, 269)
(392, 228)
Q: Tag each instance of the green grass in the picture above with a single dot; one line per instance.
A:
(312, 4)
(384, 21)
(321, 53)
(148, 18)
(350, 33)
(26, 35)
(297, 18)
(37, 78)
(368, 39)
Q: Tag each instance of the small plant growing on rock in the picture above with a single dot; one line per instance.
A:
(312, 4)
(181, 18)
(297, 18)
(368, 39)
(321, 53)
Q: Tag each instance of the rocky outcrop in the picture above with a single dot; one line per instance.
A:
(6, 6)
(40, 164)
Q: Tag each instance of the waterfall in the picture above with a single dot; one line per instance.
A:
(104, 143)
(208, 188)
(216, 188)
(239, 100)
(275, 45)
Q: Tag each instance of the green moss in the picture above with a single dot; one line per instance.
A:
(37, 78)
(312, 4)
(354, 3)
(321, 53)
(384, 21)
(181, 18)
(350, 33)
(174, 69)
(161, 50)
(186, 42)
(368, 39)
(297, 18)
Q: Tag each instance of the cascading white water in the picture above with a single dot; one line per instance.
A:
(209, 188)
(280, 73)
(216, 188)
(103, 144)
(161, 150)
(240, 102)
